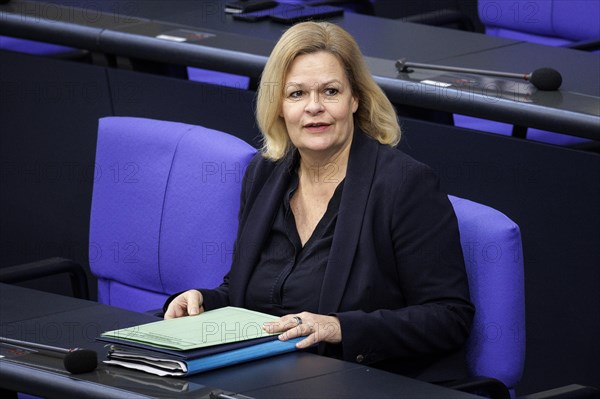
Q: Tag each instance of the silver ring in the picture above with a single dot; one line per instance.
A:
(298, 320)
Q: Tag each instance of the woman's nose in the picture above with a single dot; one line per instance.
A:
(315, 103)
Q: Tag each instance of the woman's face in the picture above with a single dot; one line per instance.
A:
(318, 105)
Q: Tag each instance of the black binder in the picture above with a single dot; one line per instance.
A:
(240, 6)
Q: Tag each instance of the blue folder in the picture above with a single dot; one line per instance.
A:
(254, 352)
(170, 362)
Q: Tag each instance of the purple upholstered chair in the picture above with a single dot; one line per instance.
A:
(40, 48)
(31, 46)
(164, 209)
(566, 23)
(357, 6)
(491, 244)
(218, 78)
(506, 129)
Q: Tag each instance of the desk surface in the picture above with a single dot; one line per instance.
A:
(131, 27)
(64, 322)
(432, 43)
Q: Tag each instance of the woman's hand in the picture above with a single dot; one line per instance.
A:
(188, 303)
(317, 328)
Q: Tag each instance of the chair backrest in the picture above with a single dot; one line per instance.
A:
(164, 209)
(549, 22)
(492, 248)
(218, 78)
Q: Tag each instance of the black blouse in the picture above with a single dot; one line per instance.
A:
(288, 276)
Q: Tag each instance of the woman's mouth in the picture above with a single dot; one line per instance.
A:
(316, 127)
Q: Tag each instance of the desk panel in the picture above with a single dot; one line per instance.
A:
(222, 108)
(384, 37)
(358, 383)
(62, 24)
(49, 112)
(222, 51)
(11, 298)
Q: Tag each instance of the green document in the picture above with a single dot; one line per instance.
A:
(215, 327)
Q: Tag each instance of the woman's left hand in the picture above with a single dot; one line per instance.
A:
(317, 328)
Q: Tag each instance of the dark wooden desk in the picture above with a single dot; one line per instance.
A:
(36, 316)
(130, 28)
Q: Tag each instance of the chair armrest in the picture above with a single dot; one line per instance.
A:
(49, 267)
(156, 312)
(486, 386)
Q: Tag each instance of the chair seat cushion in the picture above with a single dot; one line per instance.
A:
(114, 293)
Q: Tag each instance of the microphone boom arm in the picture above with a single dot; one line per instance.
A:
(403, 66)
(546, 79)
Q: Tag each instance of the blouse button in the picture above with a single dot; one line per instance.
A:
(360, 358)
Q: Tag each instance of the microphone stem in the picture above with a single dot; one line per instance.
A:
(401, 66)
(32, 345)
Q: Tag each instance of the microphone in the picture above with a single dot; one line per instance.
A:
(546, 79)
(75, 360)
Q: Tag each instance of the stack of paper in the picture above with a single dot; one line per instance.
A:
(194, 344)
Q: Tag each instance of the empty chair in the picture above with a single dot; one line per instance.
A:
(569, 23)
(164, 209)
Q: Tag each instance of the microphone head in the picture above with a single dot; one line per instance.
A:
(81, 361)
(546, 79)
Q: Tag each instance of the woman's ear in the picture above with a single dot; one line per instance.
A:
(354, 104)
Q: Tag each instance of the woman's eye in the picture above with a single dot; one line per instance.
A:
(295, 94)
(331, 91)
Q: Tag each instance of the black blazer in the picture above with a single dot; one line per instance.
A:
(395, 277)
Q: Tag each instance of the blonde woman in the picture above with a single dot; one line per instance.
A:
(345, 237)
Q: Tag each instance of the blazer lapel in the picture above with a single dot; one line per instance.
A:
(359, 178)
(257, 228)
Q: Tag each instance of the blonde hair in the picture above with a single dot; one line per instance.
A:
(375, 115)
